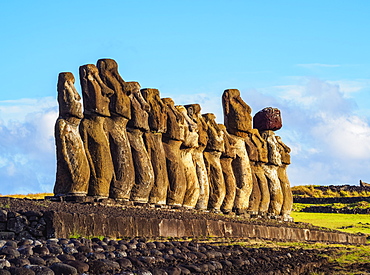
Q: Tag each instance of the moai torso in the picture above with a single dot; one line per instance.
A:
(271, 172)
(172, 141)
(187, 152)
(96, 108)
(154, 145)
(193, 111)
(120, 110)
(73, 172)
(212, 154)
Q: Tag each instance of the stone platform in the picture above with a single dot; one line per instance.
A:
(22, 218)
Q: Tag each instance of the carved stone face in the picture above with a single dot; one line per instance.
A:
(68, 98)
(120, 103)
(95, 93)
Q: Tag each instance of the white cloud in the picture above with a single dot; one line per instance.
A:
(27, 150)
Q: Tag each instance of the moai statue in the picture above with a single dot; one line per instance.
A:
(187, 148)
(238, 121)
(96, 109)
(73, 172)
(267, 121)
(257, 152)
(212, 154)
(286, 209)
(227, 170)
(120, 110)
(136, 127)
(172, 140)
(154, 145)
(271, 173)
(193, 111)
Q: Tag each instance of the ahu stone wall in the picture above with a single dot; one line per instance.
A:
(129, 144)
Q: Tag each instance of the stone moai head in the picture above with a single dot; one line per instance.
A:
(175, 121)
(120, 103)
(158, 110)
(94, 92)
(68, 97)
(215, 134)
(237, 114)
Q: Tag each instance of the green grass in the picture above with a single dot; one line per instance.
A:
(350, 223)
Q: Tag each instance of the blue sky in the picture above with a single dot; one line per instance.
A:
(308, 58)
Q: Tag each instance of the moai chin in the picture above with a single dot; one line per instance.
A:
(120, 110)
(92, 128)
(73, 172)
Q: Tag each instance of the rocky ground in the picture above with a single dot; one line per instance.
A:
(139, 256)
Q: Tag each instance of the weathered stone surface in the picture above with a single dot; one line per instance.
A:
(144, 174)
(154, 145)
(226, 160)
(267, 119)
(73, 172)
(237, 114)
(96, 107)
(274, 157)
(212, 154)
(139, 108)
(243, 175)
(120, 110)
(187, 148)
(193, 111)
(64, 223)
